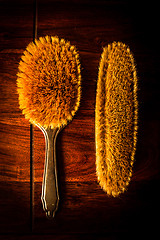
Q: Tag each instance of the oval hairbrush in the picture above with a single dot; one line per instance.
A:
(49, 87)
(116, 117)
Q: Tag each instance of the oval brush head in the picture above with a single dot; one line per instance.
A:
(49, 87)
(49, 82)
(116, 117)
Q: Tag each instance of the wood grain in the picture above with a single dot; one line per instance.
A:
(16, 31)
(85, 211)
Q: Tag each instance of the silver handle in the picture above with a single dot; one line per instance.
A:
(50, 195)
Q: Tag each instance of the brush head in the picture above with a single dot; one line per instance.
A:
(116, 117)
(49, 82)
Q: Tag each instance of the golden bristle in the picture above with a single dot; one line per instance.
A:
(116, 117)
(49, 82)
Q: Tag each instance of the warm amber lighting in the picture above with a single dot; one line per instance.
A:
(49, 82)
(116, 118)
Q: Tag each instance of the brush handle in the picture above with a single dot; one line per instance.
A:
(50, 196)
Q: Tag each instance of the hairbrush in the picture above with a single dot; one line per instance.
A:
(116, 118)
(49, 88)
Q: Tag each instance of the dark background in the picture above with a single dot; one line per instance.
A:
(85, 212)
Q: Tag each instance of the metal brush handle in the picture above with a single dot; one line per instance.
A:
(50, 195)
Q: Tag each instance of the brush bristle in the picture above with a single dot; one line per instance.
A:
(116, 117)
(49, 82)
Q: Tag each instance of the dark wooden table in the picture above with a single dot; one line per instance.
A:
(85, 212)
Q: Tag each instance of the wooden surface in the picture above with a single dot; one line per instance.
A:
(84, 211)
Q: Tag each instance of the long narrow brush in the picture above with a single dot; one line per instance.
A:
(116, 117)
(49, 87)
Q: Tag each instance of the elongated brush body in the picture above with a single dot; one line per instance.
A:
(49, 87)
(116, 117)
